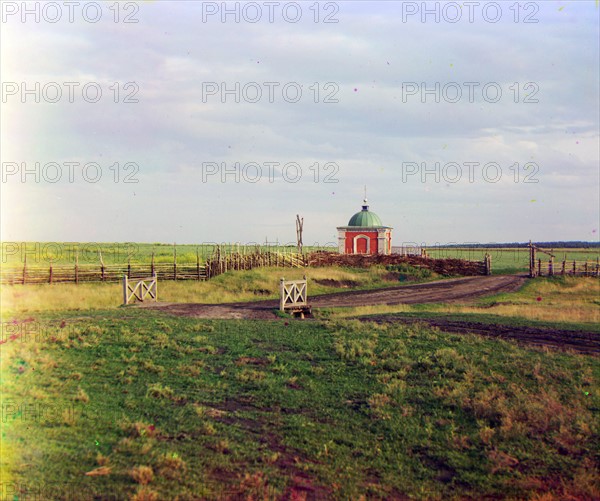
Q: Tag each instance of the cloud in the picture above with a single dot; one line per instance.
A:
(367, 65)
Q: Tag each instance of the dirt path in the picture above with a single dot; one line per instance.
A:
(447, 291)
(579, 341)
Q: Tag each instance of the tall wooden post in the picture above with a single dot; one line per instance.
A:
(551, 266)
(488, 264)
(129, 267)
(281, 294)
(197, 264)
(533, 256)
(174, 262)
(77, 266)
(299, 227)
(101, 265)
(50, 273)
(125, 289)
(531, 260)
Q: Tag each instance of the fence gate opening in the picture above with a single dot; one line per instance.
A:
(293, 297)
(141, 290)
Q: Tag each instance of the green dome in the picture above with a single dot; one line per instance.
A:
(365, 218)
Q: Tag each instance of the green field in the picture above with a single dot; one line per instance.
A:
(156, 407)
(42, 253)
(506, 260)
(251, 285)
(175, 408)
(513, 260)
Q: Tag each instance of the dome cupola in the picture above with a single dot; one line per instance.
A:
(365, 218)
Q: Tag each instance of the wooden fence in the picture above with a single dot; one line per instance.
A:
(552, 267)
(292, 294)
(293, 297)
(408, 250)
(220, 262)
(66, 273)
(147, 287)
(570, 268)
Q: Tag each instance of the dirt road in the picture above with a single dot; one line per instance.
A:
(579, 341)
(451, 290)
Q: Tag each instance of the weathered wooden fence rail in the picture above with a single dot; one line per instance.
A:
(293, 297)
(55, 274)
(222, 262)
(217, 264)
(552, 266)
(292, 294)
(569, 268)
(140, 289)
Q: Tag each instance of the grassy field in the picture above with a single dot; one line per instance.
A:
(12, 254)
(256, 284)
(121, 403)
(512, 260)
(558, 300)
(561, 299)
(158, 407)
(42, 253)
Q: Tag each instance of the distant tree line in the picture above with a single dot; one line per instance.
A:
(574, 244)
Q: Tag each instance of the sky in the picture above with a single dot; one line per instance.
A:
(192, 122)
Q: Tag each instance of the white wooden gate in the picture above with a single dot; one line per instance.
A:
(141, 290)
(293, 295)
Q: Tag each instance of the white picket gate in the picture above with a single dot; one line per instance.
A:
(293, 296)
(141, 290)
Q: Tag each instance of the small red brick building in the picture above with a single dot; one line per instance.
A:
(365, 234)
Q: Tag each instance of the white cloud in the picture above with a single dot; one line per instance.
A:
(367, 56)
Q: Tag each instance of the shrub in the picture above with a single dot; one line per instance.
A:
(142, 474)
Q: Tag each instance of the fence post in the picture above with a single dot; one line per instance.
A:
(174, 262)
(125, 285)
(152, 271)
(50, 273)
(129, 267)
(101, 265)
(551, 266)
(77, 267)
(531, 260)
(197, 264)
(487, 261)
(281, 295)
